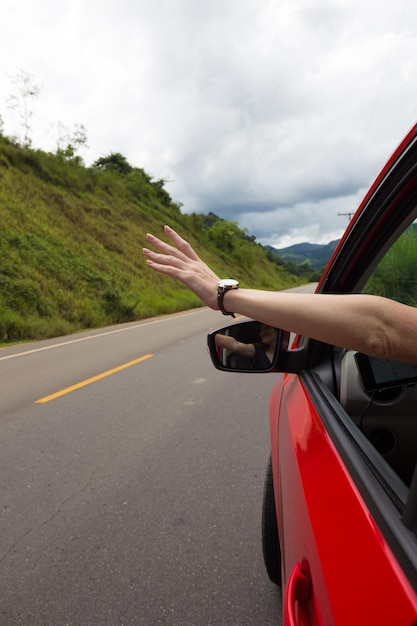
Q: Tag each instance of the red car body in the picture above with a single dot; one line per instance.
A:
(337, 566)
(341, 478)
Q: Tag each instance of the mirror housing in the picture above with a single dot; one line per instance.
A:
(252, 347)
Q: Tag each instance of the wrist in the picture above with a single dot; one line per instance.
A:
(223, 287)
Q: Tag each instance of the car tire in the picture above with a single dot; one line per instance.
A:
(270, 540)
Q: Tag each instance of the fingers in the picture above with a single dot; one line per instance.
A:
(180, 249)
(181, 262)
(169, 270)
(181, 244)
(166, 249)
(160, 245)
(168, 254)
(173, 260)
(156, 258)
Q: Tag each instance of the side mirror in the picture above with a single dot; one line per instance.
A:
(248, 347)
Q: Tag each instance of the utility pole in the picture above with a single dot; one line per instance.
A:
(349, 215)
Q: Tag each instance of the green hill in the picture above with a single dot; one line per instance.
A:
(71, 239)
(315, 255)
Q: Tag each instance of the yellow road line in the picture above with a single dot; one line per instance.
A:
(94, 379)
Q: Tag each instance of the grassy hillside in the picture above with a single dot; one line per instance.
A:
(71, 239)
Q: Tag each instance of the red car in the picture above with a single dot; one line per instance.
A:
(340, 502)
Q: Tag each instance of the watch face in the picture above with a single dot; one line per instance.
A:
(229, 283)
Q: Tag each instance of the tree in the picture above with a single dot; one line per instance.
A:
(69, 144)
(161, 193)
(225, 234)
(115, 162)
(20, 102)
(210, 219)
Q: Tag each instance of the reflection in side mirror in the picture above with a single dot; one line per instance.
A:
(247, 347)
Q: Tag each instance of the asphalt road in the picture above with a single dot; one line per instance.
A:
(131, 481)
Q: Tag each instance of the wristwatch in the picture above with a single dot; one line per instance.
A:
(222, 286)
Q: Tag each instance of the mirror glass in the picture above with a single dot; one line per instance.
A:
(245, 346)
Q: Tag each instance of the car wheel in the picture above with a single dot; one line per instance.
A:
(270, 540)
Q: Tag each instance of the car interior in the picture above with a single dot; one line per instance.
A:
(386, 415)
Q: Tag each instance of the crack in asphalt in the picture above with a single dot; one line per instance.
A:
(60, 506)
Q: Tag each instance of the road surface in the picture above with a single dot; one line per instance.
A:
(131, 478)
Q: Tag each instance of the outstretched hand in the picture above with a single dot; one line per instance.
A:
(181, 262)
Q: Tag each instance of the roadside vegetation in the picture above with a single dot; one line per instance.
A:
(71, 239)
(395, 275)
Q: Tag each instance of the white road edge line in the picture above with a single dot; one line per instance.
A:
(109, 332)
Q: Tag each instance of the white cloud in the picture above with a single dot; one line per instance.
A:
(276, 114)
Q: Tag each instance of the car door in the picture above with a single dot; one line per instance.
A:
(338, 566)
(346, 517)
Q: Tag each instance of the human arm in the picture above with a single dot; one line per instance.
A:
(370, 324)
(237, 347)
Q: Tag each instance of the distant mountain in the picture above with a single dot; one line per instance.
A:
(313, 254)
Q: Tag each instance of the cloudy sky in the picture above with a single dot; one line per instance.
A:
(276, 114)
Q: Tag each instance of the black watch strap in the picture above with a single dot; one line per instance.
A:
(223, 287)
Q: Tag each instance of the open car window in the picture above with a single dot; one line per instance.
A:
(385, 415)
(381, 396)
